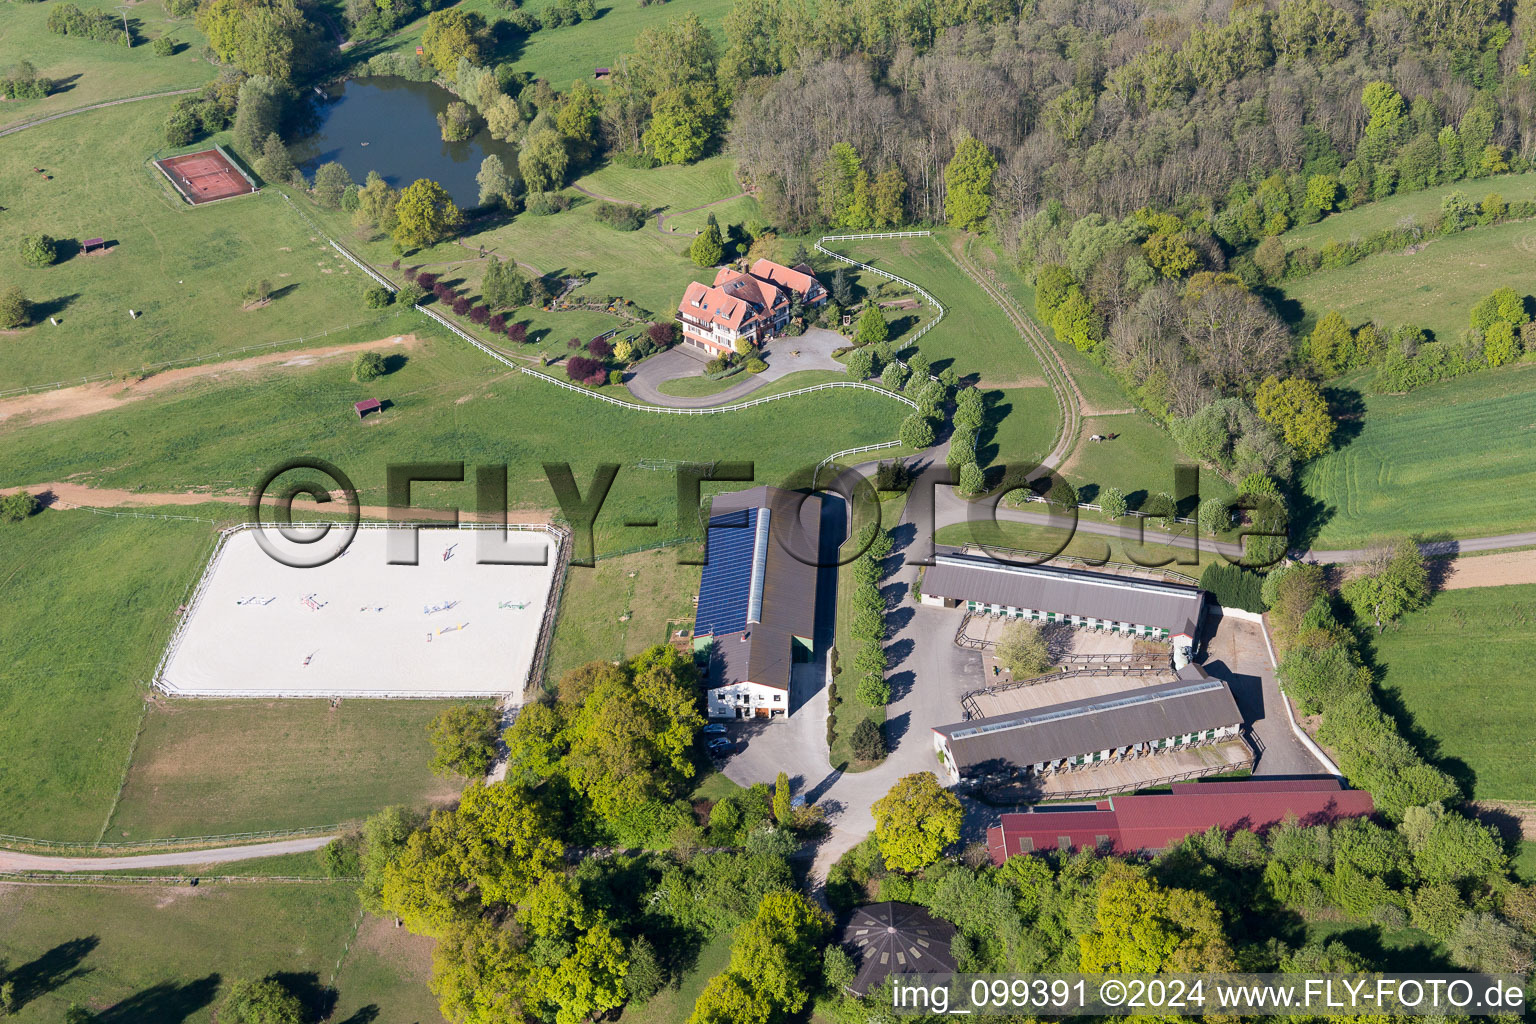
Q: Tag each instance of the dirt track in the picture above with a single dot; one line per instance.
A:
(88, 399)
(1500, 570)
(67, 495)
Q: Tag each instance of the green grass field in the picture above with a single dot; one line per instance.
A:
(185, 269)
(162, 954)
(86, 71)
(975, 334)
(1460, 668)
(1452, 459)
(621, 606)
(89, 603)
(387, 969)
(1021, 426)
(1140, 461)
(218, 767)
(675, 1003)
(732, 211)
(1419, 206)
(667, 188)
(1434, 288)
(562, 55)
(449, 402)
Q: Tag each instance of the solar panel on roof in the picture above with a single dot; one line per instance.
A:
(724, 590)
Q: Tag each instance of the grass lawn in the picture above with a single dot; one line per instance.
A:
(621, 606)
(731, 212)
(667, 188)
(1021, 424)
(186, 269)
(1434, 288)
(156, 954)
(1460, 668)
(86, 71)
(1525, 862)
(700, 387)
(450, 402)
(975, 335)
(214, 767)
(1389, 949)
(1421, 206)
(1140, 461)
(89, 602)
(675, 1003)
(562, 55)
(387, 970)
(1451, 459)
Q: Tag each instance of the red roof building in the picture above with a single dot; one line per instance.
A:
(1144, 824)
(751, 305)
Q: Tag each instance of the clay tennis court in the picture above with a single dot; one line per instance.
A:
(206, 176)
(358, 626)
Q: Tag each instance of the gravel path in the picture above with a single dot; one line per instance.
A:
(228, 855)
(94, 106)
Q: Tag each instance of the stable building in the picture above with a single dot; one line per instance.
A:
(1148, 823)
(754, 628)
(1190, 711)
(1154, 609)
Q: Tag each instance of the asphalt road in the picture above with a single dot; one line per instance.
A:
(42, 862)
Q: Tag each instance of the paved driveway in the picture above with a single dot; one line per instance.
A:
(1235, 653)
(784, 356)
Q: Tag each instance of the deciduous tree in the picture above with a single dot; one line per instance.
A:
(915, 822)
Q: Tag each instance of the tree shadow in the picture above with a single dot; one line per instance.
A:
(166, 1003)
(1347, 406)
(52, 307)
(896, 728)
(286, 289)
(55, 967)
(394, 363)
(319, 1000)
(365, 1015)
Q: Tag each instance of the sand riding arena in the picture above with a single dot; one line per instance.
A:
(450, 625)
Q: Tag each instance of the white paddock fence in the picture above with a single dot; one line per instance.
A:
(887, 274)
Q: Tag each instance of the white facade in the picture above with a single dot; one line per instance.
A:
(747, 700)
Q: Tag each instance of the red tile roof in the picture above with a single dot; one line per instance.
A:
(736, 300)
(1132, 824)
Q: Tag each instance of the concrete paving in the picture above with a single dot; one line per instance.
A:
(784, 356)
(1235, 653)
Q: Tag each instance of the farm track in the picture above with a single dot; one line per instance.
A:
(1068, 398)
(94, 106)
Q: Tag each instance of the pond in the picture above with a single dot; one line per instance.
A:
(389, 125)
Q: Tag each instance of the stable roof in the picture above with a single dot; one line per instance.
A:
(1192, 703)
(1175, 607)
(1148, 822)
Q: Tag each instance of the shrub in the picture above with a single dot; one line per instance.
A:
(427, 279)
(756, 365)
(615, 377)
(1113, 502)
(15, 310)
(599, 348)
(368, 366)
(377, 297)
(620, 216)
(580, 368)
(497, 324)
(517, 332)
(16, 507)
(460, 305)
(542, 204)
(163, 46)
(1233, 586)
(661, 334)
(480, 315)
(868, 741)
(38, 250)
(409, 295)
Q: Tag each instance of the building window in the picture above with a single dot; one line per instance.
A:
(1063, 842)
(778, 697)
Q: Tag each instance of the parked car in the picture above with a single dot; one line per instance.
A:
(720, 745)
(715, 729)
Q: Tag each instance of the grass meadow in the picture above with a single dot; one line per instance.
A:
(89, 603)
(1452, 459)
(157, 954)
(449, 402)
(86, 71)
(1460, 670)
(1434, 288)
(669, 188)
(562, 55)
(1420, 206)
(1140, 461)
(621, 606)
(217, 767)
(186, 269)
(975, 335)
